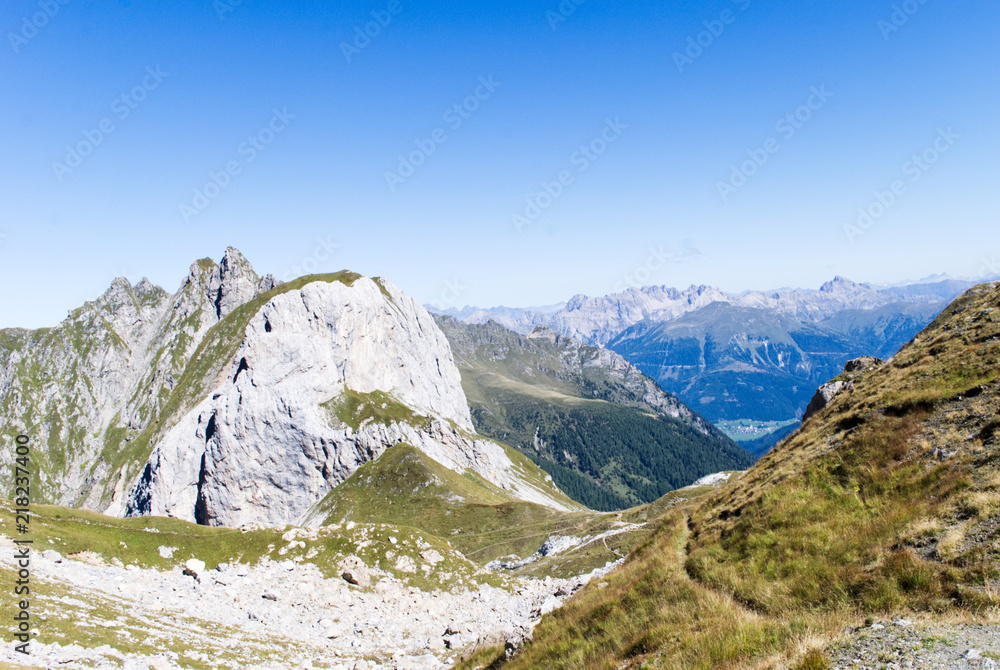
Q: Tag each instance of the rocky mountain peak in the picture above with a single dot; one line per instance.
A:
(839, 283)
(232, 283)
(543, 333)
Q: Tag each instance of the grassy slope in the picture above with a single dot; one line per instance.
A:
(596, 436)
(856, 514)
(407, 488)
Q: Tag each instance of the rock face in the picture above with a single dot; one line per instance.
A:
(267, 442)
(235, 401)
(827, 392)
(88, 388)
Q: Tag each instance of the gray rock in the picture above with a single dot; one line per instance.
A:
(827, 392)
(263, 446)
(862, 364)
(195, 565)
(824, 396)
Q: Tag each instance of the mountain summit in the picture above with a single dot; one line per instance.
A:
(236, 400)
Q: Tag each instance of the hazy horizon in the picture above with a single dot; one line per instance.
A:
(451, 289)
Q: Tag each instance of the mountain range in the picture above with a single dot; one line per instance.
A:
(238, 400)
(608, 435)
(748, 359)
(867, 539)
(321, 474)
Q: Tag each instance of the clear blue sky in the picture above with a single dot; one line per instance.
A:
(66, 234)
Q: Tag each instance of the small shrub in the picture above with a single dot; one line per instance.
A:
(814, 660)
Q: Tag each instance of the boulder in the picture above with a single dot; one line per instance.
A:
(861, 364)
(52, 555)
(827, 392)
(195, 565)
(824, 396)
(354, 571)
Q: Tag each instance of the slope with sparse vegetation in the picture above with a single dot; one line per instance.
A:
(606, 433)
(886, 502)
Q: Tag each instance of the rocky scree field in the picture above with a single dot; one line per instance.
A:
(450, 568)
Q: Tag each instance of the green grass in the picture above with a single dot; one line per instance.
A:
(355, 409)
(405, 487)
(651, 614)
(138, 540)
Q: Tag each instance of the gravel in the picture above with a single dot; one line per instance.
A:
(900, 643)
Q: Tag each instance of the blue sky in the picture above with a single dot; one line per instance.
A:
(653, 199)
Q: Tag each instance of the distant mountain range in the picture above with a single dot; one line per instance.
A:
(753, 356)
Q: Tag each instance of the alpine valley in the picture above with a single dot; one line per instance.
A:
(747, 362)
(322, 474)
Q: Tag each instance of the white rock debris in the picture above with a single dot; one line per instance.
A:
(284, 614)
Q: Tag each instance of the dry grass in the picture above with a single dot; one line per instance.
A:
(885, 502)
(651, 614)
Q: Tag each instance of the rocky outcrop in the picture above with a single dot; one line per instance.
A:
(862, 364)
(827, 392)
(824, 396)
(270, 439)
(91, 386)
(222, 402)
